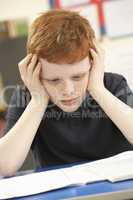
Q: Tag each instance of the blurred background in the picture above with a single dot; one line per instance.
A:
(112, 21)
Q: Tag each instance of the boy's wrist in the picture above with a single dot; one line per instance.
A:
(39, 103)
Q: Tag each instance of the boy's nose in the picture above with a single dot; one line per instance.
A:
(68, 89)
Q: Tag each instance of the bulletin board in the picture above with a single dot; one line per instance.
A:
(111, 18)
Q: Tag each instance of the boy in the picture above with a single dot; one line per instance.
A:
(69, 110)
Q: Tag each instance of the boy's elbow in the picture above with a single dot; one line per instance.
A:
(6, 173)
(7, 170)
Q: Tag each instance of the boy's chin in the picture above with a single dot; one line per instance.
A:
(69, 110)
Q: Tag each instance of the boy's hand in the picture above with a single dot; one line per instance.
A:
(30, 69)
(96, 74)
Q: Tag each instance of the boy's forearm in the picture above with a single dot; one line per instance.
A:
(15, 145)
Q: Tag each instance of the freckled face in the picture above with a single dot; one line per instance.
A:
(66, 84)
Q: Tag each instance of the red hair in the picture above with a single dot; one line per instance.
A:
(61, 36)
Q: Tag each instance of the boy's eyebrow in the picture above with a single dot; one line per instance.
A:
(77, 74)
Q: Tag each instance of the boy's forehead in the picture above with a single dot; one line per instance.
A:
(64, 69)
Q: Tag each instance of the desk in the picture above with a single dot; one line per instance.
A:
(102, 190)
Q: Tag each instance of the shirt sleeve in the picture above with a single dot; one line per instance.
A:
(123, 91)
(16, 107)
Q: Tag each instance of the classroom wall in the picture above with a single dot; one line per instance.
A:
(119, 57)
(11, 9)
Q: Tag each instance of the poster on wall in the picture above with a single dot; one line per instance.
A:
(118, 17)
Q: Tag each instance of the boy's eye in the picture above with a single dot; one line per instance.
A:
(77, 77)
(54, 81)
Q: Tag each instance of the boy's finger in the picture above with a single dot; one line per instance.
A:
(32, 64)
(26, 60)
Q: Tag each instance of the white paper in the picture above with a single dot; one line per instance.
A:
(119, 167)
(82, 175)
(118, 17)
(115, 168)
(32, 184)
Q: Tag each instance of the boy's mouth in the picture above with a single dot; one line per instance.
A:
(70, 101)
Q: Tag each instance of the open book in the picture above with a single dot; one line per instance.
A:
(115, 168)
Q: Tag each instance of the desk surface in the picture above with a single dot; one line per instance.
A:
(102, 190)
